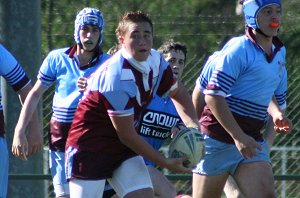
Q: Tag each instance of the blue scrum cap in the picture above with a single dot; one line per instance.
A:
(88, 16)
(252, 7)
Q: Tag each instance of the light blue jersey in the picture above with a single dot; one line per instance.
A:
(12, 72)
(243, 74)
(15, 76)
(157, 121)
(63, 70)
(210, 65)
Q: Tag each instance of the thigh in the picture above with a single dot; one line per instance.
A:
(231, 189)
(3, 167)
(132, 175)
(208, 185)
(86, 188)
(161, 185)
(255, 179)
(219, 158)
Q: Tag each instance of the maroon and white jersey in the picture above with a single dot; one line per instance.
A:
(120, 87)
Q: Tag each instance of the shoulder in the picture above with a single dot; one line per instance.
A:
(236, 44)
(5, 54)
(110, 71)
(238, 50)
(157, 58)
(57, 53)
(3, 49)
(7, 60)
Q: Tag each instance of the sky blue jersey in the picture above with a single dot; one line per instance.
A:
(247, 78)
(157, 121)
(60, 67)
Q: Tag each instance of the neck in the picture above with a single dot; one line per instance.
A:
(264, 41)
(84, 56)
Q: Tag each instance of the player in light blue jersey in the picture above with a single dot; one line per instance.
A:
(65, 67)
(231, 189)
(247, 73)
(15, 76)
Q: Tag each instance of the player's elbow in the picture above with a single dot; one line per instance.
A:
(125, 138)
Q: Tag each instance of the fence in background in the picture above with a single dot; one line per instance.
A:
(287, 183)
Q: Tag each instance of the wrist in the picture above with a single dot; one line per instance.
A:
(192, 124)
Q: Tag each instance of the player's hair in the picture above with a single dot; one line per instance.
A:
(131, 17)
(251, 9)
(88, 16)
(170, 45)
(114, 49)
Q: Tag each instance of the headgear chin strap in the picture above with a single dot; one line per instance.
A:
(89, 16)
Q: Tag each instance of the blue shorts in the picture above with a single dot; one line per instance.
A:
(224, 158)
(57, 169)
(3, 167)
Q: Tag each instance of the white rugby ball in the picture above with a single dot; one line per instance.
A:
(188, 142)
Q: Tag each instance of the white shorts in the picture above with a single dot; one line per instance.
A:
(3, 167)
(57, 169)
(130, 176)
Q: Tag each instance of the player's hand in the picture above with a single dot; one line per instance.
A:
(82, 84)
(20, 146)
(176, 165)
(247, 146)
(35, 141)
(283, 125)
(178, 127)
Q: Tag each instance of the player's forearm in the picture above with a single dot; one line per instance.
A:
(35, 125)
(273, 108)
(27, 112)
(198, 101)
(185, 108)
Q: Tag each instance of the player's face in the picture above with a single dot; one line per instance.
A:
(269, 19)
(89, 36)
(138, 40)
(176, 60)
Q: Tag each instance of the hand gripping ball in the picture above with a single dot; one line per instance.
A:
(188, 142)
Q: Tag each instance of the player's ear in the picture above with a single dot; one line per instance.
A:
(121, 39)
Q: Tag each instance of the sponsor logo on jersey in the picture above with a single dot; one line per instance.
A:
(157, 125)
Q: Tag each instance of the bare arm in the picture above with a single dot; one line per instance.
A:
(129, 137)
(29, 117)
(198, 101)
(244, 143)
(281, 123)
(184, 106)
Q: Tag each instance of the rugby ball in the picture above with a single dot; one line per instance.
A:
(187, 142)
